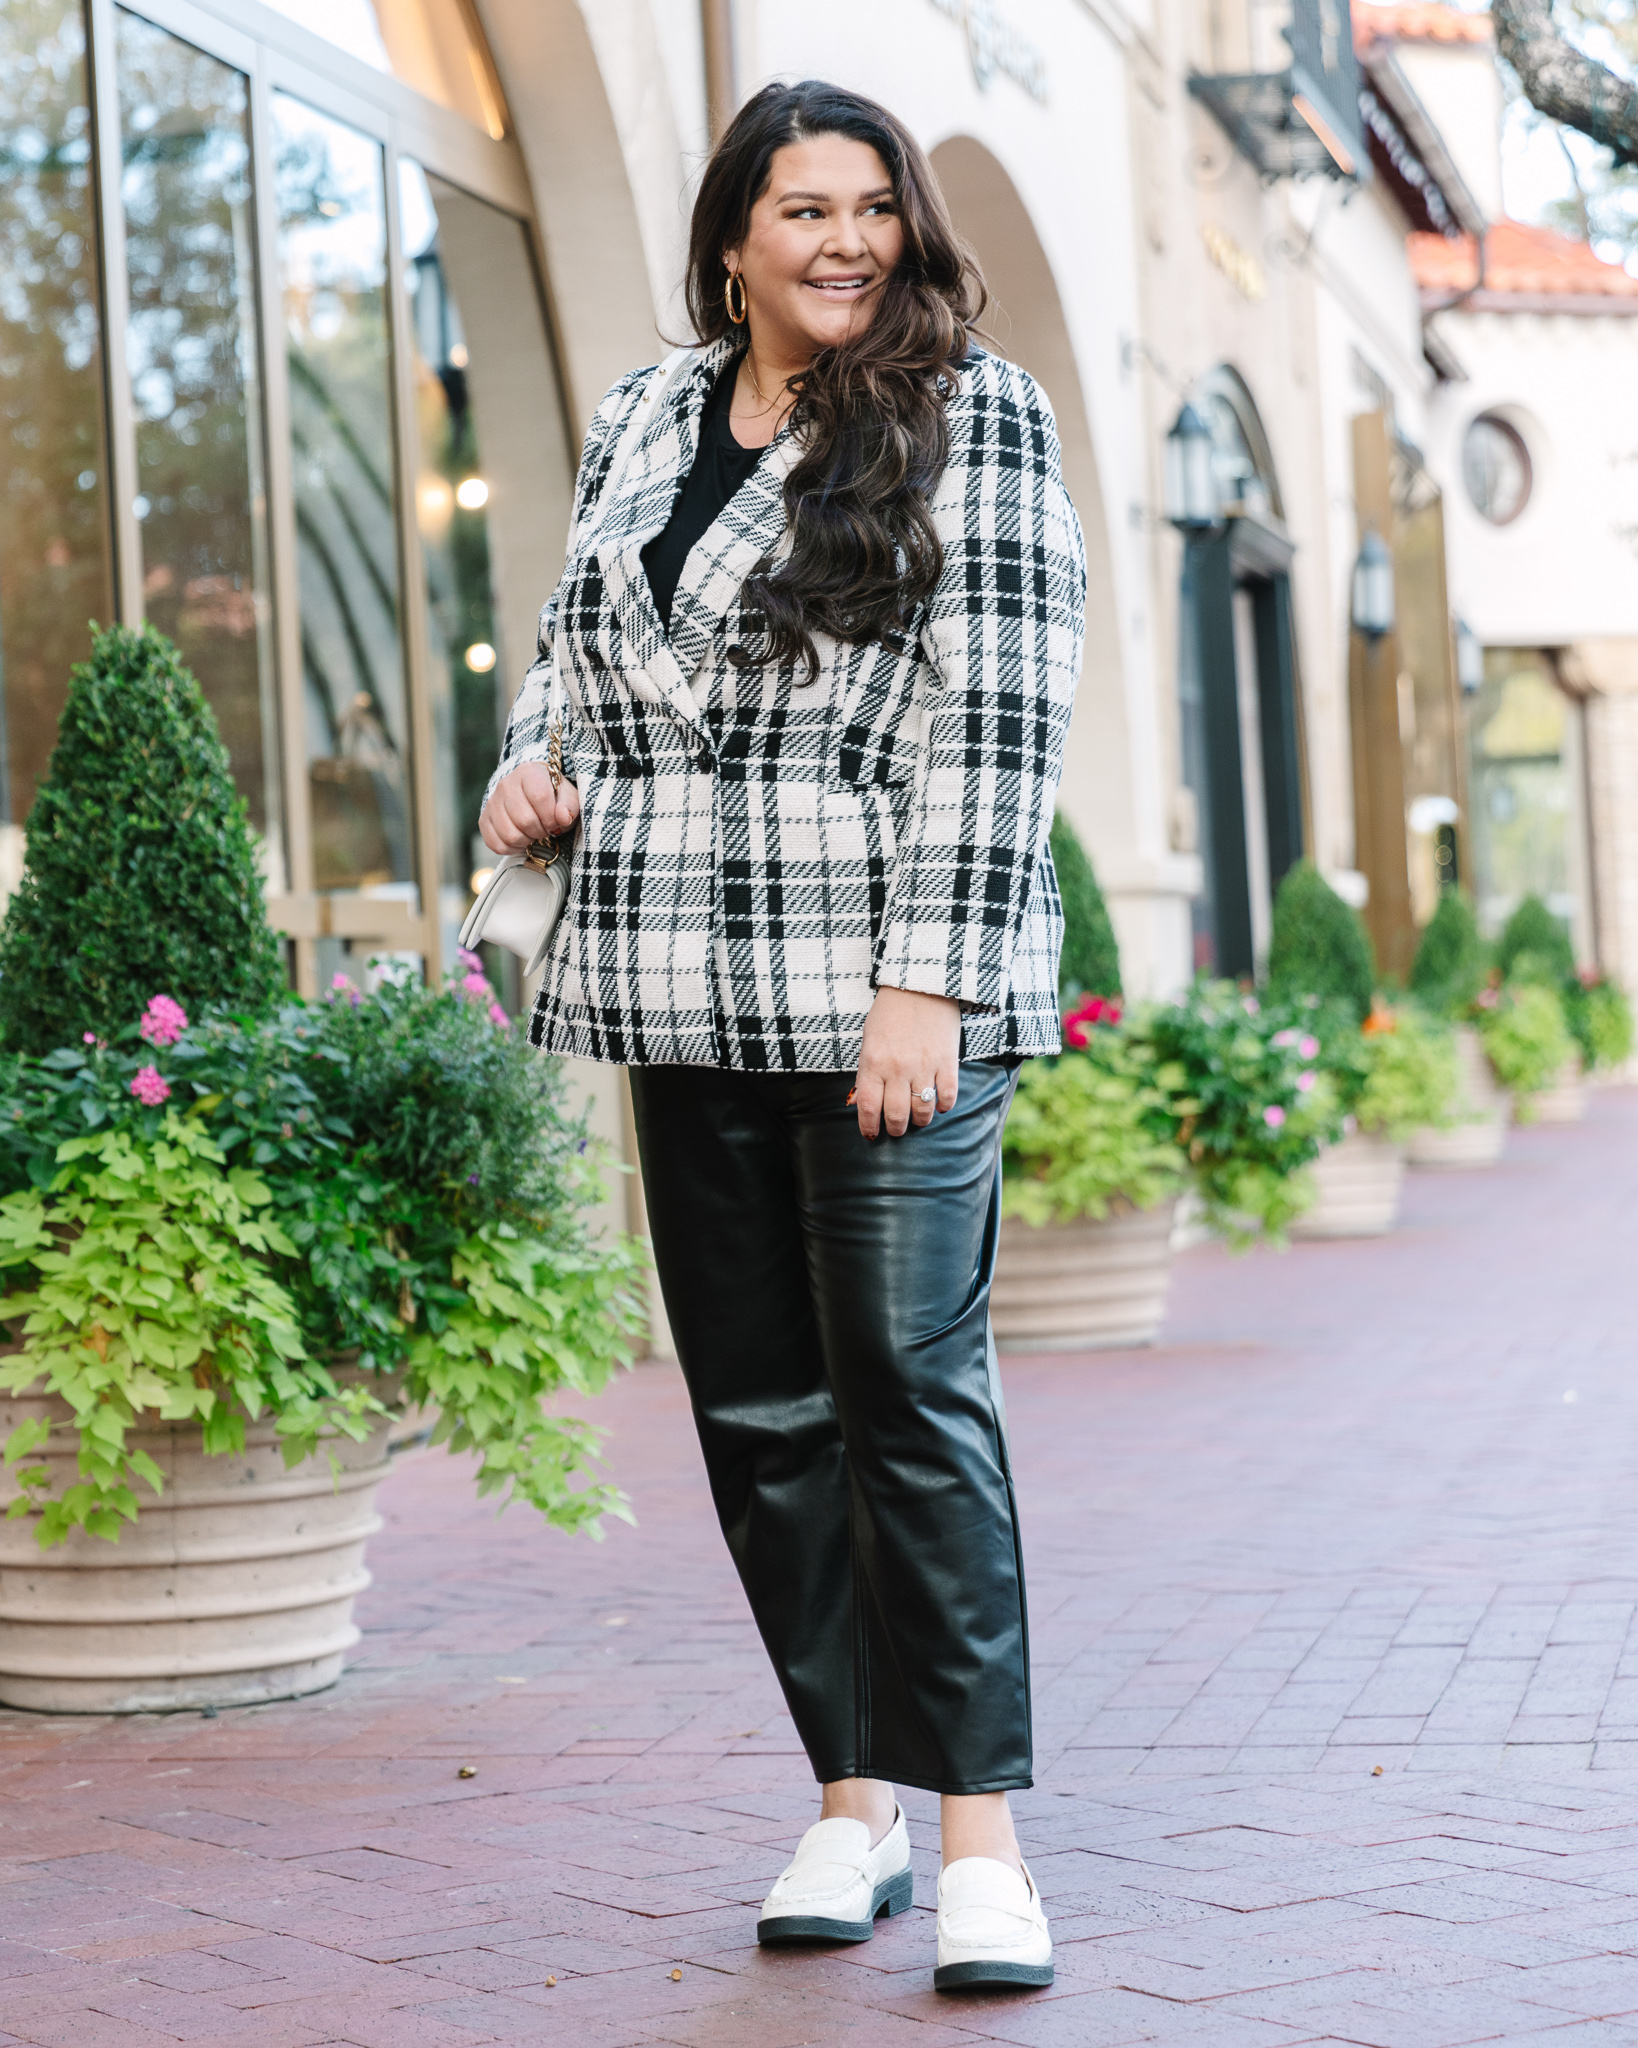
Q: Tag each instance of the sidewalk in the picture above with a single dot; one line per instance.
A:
(1372, 1507)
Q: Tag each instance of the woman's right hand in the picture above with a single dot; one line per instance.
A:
(525, 807)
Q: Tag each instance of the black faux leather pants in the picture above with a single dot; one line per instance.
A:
(829, 1299)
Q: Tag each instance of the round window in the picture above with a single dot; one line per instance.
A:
(1496, 469)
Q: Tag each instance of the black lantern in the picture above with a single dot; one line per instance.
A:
(1373, 612)
(1191, 473)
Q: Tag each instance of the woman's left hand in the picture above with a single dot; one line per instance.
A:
(912, 1042)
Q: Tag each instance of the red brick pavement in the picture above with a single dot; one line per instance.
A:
(1371, 1506)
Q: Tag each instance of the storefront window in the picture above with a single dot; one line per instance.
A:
(333, 248)
(54, 553)
(196, 391)
(488, 493)
(1526, 778)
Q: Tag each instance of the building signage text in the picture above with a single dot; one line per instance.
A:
(995, 45)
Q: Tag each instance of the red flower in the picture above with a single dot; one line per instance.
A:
(1090, 1011)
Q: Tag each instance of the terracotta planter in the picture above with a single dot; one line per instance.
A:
(1565, 1101)
(1085, 1286)
(1481, 1103)
(1359, 1183)
(237, 1584)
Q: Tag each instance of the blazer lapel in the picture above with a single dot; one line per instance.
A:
(750, 526)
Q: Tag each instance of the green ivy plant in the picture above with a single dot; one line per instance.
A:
(148, 1290)
(1089, 1133)
(1526, 1040)
(1608, 1031)
(1412, 1076)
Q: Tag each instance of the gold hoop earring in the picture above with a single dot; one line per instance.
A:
(744, 298)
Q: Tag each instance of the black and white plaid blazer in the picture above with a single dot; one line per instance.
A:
(758, 854)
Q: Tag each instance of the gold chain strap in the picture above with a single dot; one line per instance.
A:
(544, 852)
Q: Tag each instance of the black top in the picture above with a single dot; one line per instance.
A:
(721, 465)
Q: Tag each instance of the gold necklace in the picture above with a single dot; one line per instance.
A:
(767, 402)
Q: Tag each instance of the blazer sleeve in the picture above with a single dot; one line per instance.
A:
(528, 727)
(1003, 634)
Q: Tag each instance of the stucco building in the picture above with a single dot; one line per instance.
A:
(306, 304)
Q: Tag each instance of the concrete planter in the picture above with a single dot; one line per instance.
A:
(1084, 1286)
(1359, 1183)
(1565, 1102)
(1483, 1106)
(236, 1585)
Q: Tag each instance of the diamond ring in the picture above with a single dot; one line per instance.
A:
(928, 1095)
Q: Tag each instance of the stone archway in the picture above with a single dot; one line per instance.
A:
(1027, 324)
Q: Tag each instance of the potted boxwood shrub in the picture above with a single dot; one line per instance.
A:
(1320, 964)
(1397, 1075)
(1090, 1172)
(1449, 972)
(1534, 951)
(1602, 1022)
(233, 1242)
(1248, 1104)
(1526, 1041)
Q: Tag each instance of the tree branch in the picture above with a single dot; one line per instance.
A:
(1565, 82)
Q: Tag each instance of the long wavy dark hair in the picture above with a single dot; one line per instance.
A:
(870, 413)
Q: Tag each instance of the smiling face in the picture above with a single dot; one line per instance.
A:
(821, 239)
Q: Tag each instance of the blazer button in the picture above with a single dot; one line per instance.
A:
(704, 758)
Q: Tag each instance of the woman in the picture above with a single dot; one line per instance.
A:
(817, 645)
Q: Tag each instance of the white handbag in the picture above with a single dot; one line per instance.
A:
(521, 905)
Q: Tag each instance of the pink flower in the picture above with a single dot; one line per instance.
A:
(163, 1022)
(1253, 1008)
(339, 982)
(1283, 1038)
(1273, 1116)
(476, 985)
(467, 957)
(1309, 1047)
(1305, 1081)
(90, 1038)
(1489, 998)
(498, 1016)
(1090, 1010)
(150, 1087)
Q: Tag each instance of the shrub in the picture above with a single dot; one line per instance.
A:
(1526, 1039)
(1318, 946)
(409, 1191)
(1250, 1107)
(1088, 1132)
(1609, 1023)
(1450, 965)
(1090, 963)
(1534, 930)
(1411, 1074)
(141, 869)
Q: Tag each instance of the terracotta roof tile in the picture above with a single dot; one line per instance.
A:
(1532, 261)
(1417, 21)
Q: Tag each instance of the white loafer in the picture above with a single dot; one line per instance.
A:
(836, 1884)
(991, 1929)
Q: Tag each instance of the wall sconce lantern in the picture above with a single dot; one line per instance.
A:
(1469, 659)
(1372, 609)
(1191, 473)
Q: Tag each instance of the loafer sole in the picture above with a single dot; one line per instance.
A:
(978, 1976)
(892, 1895)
